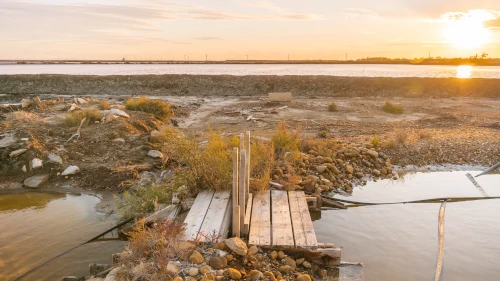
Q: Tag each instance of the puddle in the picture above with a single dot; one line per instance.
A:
(36, 226)
(400, 242)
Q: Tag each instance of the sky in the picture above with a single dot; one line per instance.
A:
(237, 30)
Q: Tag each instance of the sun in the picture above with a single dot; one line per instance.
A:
(468, 31)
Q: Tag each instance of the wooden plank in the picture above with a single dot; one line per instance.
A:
(303, 229)
(260, 224)
(196, 215)
(247, 185)
(212, 224)
(226, 223)
(241, 188)
(248, 214)
(281, 222)
(235, 215)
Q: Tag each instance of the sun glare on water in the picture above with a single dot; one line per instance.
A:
(467, 30)
(464, 71)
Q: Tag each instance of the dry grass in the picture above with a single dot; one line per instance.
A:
(142, 200)
(392, 108)
(401, 136)
(104, 105)
(322, 134)
(262, 160)
(332, 107)
(424, 134)
(74, 118)
(160, 109)
(376, 141)
(285, 140)
(23, 117)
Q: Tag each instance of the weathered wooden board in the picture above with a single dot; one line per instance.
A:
(301, 220)
(281, 222)
(260, 228)
(248, 215)
(196, 215)
(215, 215)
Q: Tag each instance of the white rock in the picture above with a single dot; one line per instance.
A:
(71, 170)
(73, 107)
(53, 158)
(237, 245)
(36, 163)
(18, 152)
(80, 101)
(26, 103)
(118, 140)
(193, 271)
(172, 267)
(7, 141)
(24, 168)
(35, 181)
(155, 154)
(118, 112)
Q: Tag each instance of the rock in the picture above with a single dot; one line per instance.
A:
(71, 170)
(349, 169)
(372, 153)
(281, 255)
(26, 103)
(269, 275)
(229, 258)
(53, 158)
(155, 154)
(328, 160)
(18, 152)
(95, 268)
(303, 277)
(209, 277)
(253, 275)
(299, 261)
(36, 163)
(118, 140)
(178, 278)
(306, 264)
(120, 113)
(359, 175)
(383, 172)
(253, 250)
(73, 107)
(277, 172)
(274, 255)
(196, 258)
(321, 169)
(108, 118)
(205, 269)
(237, 245)
(291, 262)
(173, 267)
(193, 271)
(376, 172)
(285, 269)
(324, 187)
(322, 273)
(218, 262)
(24, 168)
(35, 181)
(80, 101)
(233, 274)
(7, 141)
(219, 272)
(335, 170)
(220, 246)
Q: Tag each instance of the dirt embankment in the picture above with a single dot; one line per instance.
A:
(225, 85)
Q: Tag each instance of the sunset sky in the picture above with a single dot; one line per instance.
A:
(233, 29)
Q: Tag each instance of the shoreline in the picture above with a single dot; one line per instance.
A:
(252, 85)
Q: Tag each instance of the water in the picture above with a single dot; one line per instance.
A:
(36, 226)
(400, 242)
(361, 70)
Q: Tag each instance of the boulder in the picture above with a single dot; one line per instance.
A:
(253, 275)
(218, 262)
(372, 153)
(291, 262)
(321, 169)
(196, 258)
(173, 267)
(303, 277)
(286, 269)
(71, 170)
(25, 103)
(233, 274)
(253, 250)
(281, 255)
(349, 169)
(193, 271)
(274, 255)
(35, 181)
(237, 245)
(155, 154)
(205, 269)
(53, 158)
(376, 172)
(18, 152)
(120, 113)
(36, 163)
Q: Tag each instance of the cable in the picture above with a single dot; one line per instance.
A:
(76, 247)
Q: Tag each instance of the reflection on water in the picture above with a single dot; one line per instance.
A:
(400, 242)
(20, 201)
(38, 226)
(464, 71)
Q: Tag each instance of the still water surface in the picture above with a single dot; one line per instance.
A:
(361, 70)
(36, 226)
(400, 242)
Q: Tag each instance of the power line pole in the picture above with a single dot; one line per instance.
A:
(346, 56)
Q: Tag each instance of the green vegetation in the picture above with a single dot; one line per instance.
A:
(142, 200)
(160, 109)
(74, 118)
(104, 105)
(376, 141)
(392, 108)
(323, 133)
(332, 107)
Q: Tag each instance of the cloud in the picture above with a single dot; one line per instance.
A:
(361, 12)
(494, 23)
(208, 38)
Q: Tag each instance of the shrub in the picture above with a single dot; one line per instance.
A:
(332, 107)
(104, 105)
(142, 201)
(262, 160)
(400, 136)
(285, 140)
(376, 141)
(160, 109)
(74, 118)
(322, 134)
(392, 108)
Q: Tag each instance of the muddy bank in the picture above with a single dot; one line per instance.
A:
(225, 85)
